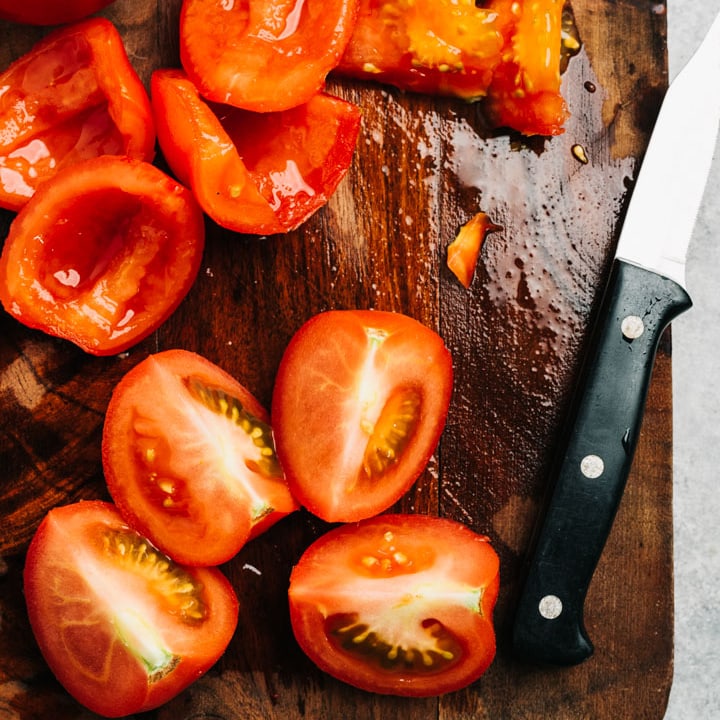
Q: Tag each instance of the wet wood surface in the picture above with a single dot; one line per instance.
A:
(423, 167)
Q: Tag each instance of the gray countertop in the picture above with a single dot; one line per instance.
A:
(695, 694)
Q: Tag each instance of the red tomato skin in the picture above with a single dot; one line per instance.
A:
(117, 683)
(80, 98)
(65, 269)
(337, 561)
(217, 521)
(237, 161)
(49, 12)
(311, 404)
(263, 55)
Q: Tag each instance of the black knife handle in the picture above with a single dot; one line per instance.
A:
(593, 463)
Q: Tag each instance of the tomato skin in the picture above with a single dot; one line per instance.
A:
(263, 55)
(394, 583)
(70, 582)
(179, 470)
(49, 12)
(254, 173)
(503, 51)
(102, 254)
(73, 96)
(353, 386)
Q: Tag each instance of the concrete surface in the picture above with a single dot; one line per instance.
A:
(695, 693)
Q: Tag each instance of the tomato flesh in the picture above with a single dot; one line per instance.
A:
(254, 173)
(189, 458)
(504, 51)
(359, 404)
(122, 626)
(263, 55)
(102, 254)
(74, 96)
(398, 604)
(49, 12)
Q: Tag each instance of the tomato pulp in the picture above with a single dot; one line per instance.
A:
(123, 627)
(189, 458)
(102, 254)
(359, 403)
(398, 604)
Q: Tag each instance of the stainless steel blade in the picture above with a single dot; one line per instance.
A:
(665, 202)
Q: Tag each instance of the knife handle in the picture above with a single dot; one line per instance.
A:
(593, 463)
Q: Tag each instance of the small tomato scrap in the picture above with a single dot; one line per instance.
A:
(263, 55)
(49, 12)
(464, 250)
(398, 604)
(258, 173)
(189, 458)
(123, 627)
(102, 254)
(507, 51)
(359, 404)
(74, 96)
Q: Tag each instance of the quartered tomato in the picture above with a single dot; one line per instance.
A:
(123, 627)
(72, 97)
(254, 173)
(263, 55)
(102, 254)
(398, 604)
(506, 51)
(49, 12)
(189, 458)
(359, 404)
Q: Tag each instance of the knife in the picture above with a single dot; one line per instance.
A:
(645, 292)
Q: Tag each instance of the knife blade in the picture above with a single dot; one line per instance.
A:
(645, 292)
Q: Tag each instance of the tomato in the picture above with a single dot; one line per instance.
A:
(72, 97)
(359, 403)
(102, 254)
(504, 50)
(263, 55)
(398, 604)
(464, 250)
(189, 458)
(254, 173)
(123, 627)
(49, 12)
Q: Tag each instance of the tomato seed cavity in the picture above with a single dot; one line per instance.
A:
(180, 591)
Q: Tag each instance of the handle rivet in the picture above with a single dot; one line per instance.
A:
(550, 607)
(592, 467)
(632, 327)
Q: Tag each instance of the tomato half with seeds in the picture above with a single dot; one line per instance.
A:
(263, 55)
(189, 458)
(123, 627)
(73, 96)
(102, 254)
(398, 604)
(359, 404)
(258, 173)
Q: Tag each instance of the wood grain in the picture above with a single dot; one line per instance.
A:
(423, 167)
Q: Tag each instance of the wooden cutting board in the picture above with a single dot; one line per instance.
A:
(423, 167)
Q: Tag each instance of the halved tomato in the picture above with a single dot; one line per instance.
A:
(102, 254)
(398, 604)
(263, 55)
(123, 627)
(359, 403)
(251, 172)
(73, 96)
(189, 459)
